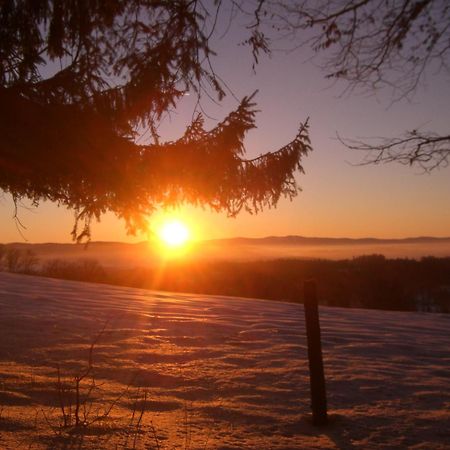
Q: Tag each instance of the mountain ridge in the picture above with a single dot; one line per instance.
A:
(267, 240)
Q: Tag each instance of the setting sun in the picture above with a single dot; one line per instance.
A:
(174, 233)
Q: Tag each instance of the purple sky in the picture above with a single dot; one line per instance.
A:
(338, 199)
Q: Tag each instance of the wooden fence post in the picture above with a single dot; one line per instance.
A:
(316, 374)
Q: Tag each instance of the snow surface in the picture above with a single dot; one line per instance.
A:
(220, 372)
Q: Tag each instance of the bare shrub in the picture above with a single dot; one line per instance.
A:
(19, 261)
(134, 429)
(28, 262)
(2, 254)
(77, 397)
(12, 258)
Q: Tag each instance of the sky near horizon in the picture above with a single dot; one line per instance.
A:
(338, 197)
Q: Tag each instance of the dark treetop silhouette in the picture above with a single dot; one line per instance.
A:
(78, 77)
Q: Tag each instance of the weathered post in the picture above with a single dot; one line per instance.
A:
(316, 374)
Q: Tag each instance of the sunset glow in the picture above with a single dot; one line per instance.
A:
(174, 233)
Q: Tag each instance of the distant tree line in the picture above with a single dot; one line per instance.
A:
(367, 282)
(364, 282)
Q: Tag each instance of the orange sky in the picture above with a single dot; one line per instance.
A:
(338, 199)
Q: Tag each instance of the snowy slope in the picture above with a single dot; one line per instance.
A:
(220, 372)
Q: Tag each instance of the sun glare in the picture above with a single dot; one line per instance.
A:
(174, 233)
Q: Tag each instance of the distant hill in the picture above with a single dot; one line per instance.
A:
(242, 248)
(302, 240)
(269, 240)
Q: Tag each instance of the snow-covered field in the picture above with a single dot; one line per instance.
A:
(213, 372)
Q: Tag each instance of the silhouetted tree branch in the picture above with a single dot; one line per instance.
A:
(424, 149)
(371, 44)
(77, 78)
